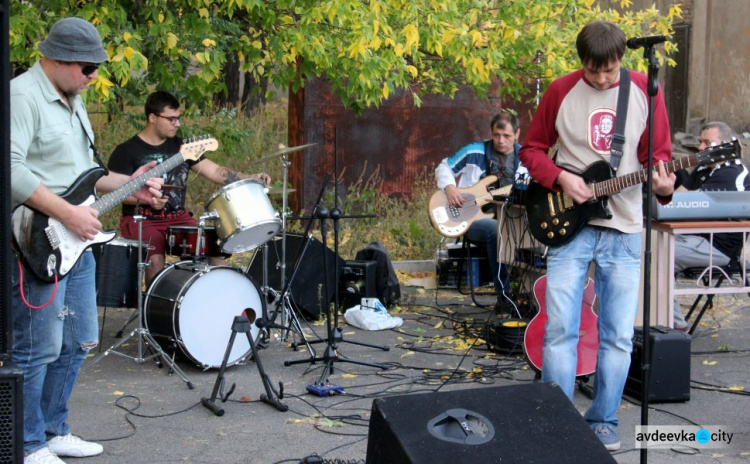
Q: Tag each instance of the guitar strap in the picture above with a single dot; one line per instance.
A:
(618, 139)
(93, 147)
(488, 156)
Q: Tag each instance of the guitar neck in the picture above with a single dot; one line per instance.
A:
(611, 186)
(114, 198)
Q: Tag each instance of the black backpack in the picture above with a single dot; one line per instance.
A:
(386, 282)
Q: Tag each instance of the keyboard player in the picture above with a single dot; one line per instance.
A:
(693, 250)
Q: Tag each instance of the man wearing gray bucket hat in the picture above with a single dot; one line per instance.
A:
(51, 147)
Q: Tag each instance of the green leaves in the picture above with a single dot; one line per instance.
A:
(367, 50)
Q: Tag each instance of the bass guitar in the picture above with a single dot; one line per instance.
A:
(554, 219)
(49, 249)
(451, 221)
(588, 333)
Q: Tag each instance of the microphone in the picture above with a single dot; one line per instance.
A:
(638, 42)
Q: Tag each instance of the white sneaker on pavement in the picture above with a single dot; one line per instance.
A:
(42, 456)
(74, 447)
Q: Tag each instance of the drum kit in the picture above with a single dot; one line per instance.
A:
(180, 304)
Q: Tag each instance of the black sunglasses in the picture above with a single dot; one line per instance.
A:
(88, 69)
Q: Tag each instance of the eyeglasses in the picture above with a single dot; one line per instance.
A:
(88, 69)
(172, 119)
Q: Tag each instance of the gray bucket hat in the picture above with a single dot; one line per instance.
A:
(74, 39)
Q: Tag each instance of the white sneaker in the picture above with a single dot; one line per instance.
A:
(73, 446)
(42, 456)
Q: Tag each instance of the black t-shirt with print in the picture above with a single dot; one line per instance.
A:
(134, 153)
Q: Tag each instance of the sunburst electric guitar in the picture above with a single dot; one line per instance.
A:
(554, 218)
(49, 249)
(451, 221)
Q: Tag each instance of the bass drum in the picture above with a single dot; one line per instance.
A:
(194, 305)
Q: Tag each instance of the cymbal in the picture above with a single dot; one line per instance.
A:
(279, 190)
(285, 150)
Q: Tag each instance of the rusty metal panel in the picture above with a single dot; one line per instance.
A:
(398, 138)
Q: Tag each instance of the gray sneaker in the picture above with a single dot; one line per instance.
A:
(607, 435)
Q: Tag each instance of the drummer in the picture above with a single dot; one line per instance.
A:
(158, 141)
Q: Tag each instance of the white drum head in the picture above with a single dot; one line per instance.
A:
(207, 311)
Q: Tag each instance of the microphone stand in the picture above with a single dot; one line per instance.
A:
(652, 88)
(335, 333)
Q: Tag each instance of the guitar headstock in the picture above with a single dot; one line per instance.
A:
(724, 152)
(193, 148)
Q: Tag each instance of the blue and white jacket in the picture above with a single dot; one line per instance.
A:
(470, 163)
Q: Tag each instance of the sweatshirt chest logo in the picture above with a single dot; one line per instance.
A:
(601, 128)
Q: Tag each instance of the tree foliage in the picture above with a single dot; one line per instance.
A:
(367, 50)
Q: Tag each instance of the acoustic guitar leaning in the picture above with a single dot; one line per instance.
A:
(588, 333)
(450, 221)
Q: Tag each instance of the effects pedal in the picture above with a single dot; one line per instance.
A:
(325, 390)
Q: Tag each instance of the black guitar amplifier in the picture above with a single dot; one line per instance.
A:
(669, 377)
(357, 282)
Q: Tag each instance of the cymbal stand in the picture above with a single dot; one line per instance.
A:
(286, 310)
(145, 340)
(288, 318)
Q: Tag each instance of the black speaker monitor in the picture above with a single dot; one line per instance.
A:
(518, 423)
(309, 277)
(669, 376)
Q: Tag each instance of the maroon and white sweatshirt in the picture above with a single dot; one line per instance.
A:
(581, 120)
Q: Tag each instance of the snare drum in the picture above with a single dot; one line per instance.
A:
(181, 241)
(117, 273)
(245, 217)
(195, 304)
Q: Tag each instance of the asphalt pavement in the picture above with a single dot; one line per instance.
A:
(143, 413)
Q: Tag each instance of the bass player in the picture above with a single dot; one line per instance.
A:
(497, 156)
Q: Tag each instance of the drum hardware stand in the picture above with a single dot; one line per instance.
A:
(141, 333)
(243, 324)
(335, 334)
(287, 311)
(288, 315)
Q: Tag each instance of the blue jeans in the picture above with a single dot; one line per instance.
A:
(50, 345)
(484, 232)
(617, 276)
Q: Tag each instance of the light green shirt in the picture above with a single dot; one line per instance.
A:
(48, 144)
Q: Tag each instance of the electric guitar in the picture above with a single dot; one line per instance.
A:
(451, 221)
(49, 249)
(554, 219)
(588, 333)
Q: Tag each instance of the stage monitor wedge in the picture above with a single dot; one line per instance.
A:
(520, 423)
